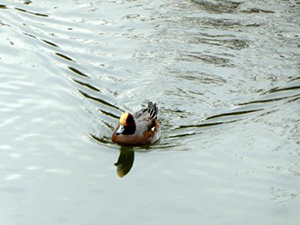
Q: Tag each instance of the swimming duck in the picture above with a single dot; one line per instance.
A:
(139, 128)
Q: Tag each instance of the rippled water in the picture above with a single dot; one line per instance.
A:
(226, 78)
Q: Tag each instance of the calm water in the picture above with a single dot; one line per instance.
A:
(225, 75)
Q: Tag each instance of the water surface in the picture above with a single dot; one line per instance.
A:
(226, 78)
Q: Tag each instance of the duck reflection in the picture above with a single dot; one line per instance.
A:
(125, 161)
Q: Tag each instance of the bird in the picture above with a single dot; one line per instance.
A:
(139, 128)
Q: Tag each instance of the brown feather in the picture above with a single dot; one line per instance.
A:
(135, 140)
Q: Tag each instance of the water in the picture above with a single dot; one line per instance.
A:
(226, 78)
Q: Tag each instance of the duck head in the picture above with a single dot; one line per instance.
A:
(126, 125)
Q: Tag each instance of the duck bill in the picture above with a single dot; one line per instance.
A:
(120, 130)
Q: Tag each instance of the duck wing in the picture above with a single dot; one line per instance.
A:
(145, 118)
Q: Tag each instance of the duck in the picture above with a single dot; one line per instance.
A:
(139, 128)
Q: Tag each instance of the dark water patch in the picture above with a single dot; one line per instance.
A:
(200, 77)
(229, 41)
(160, 146)
(99, 100)
(183, 135)
(233, 114)
(4, 24)
(296, 78)
(253, 25)
(176, 112)
(293, 100)
(199, 125)
(32, 13)
(50, 43)
(27, 2)
(197, 76)
(209, 59)
(217, 6)
(283, 89)
(107, 124)
(256, 10)
(78, 72)
(132, 16)
(227, 118)
(3, 6)
(268, 100)
(86, 85)
(235, 44)
(64, 57)
(268, 112)
(219, 24)
(30, 35)
(109, 114)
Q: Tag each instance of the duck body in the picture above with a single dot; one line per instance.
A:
(138, 129)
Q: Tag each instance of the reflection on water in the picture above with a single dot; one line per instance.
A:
(125, 161)
(226, 77)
